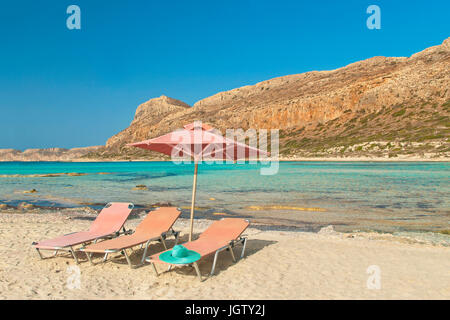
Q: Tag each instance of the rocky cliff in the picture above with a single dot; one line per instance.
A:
(382, 106)
(146, 118)
(322, 108)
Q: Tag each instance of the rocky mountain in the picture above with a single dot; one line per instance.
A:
(147, 116)
(382, 106)
(51, 154)
(379, 107)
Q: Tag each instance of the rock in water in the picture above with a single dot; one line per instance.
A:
(162, 204)
(327, 230)
(140, 187)
(25, 206)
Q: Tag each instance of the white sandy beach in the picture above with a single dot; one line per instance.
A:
(277, 265)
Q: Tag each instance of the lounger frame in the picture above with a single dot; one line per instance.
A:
(242, 240)
(70, 248)
(161, 238)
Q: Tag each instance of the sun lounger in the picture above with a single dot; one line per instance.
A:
(221, 235)
(107, 225)
(156, 226)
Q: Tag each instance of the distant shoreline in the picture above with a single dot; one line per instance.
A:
(349, 159)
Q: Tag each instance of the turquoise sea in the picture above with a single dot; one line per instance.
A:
(380, 196)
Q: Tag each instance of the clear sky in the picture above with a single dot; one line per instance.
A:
(73, 88)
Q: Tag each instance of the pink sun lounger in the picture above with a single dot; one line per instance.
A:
(107, 225)
(221, 235)
(156, 226)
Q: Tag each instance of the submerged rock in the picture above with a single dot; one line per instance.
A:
(76, 174)
(162, 204)
(140, 187)
(30, 191)
(279, 207)
(25, 206)
(220, 214)
(195, 208)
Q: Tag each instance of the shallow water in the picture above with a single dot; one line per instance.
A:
(387, 196)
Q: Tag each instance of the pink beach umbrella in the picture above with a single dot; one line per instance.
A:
(199, 142)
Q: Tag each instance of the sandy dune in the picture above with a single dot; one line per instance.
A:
(278, 265)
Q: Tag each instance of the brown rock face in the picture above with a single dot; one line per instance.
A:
(296, 101)
(148, 115)
(391, 105)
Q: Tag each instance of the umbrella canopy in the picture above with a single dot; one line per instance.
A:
(199, 142)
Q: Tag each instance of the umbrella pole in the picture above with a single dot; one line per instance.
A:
(194, 189)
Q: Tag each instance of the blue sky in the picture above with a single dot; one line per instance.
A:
(73, 88)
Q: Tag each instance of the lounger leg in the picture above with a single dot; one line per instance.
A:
(105, 257)
(55, 253)
(163, 242)
(39, 252)
(73, 254)
(198, 271)
(214, 263)
(243, 248)
(128, 259)
(154, 268)
(176, 238)
(232, 253)
(145, 252)
(89, 258)
(169, 268)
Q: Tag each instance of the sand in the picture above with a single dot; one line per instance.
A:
(277, 265)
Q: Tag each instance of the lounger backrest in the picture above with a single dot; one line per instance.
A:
(111, 218)
(158, 221)
(226, 229)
